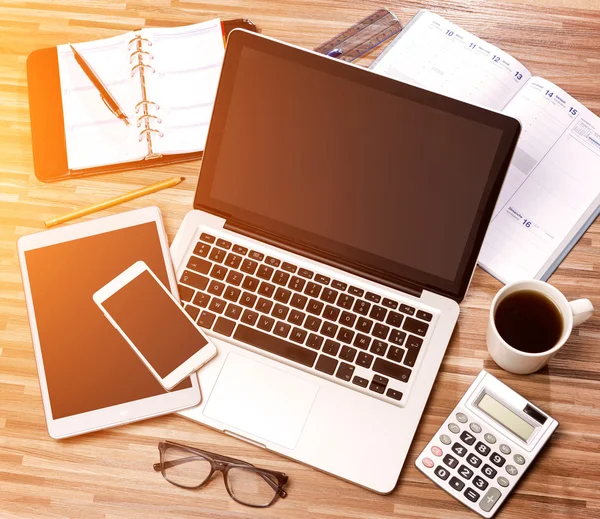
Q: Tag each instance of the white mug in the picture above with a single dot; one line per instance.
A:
(573, 313)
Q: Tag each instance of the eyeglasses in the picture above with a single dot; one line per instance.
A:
(187, 467)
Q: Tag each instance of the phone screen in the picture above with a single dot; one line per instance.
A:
(154, 323)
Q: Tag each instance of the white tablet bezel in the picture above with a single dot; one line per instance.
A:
(191, 364)
(122, 413)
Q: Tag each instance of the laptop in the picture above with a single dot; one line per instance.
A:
(335, 229)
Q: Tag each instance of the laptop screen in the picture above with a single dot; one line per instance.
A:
(373, 173)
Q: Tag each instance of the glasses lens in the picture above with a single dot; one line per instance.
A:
(251, 487)
(185, 468)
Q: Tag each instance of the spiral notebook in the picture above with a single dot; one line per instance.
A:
(164, 79)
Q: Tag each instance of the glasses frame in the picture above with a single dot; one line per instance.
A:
(221, 464)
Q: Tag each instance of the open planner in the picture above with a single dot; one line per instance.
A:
(164, 79)
(551, 193)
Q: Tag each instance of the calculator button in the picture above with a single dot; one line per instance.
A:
(468, 438)
(473, 460)
(490, 499)
(505, 449)
(519, 460)
(475, 427)
(511, 470)
(471, 495)
(490, 438)
(480, 483)
(441, 473)
(465, 472)
(445, 439)
(450, 460)
(459, 449)
(454, 428)
(462, 417)
(489, 471)
(482, 449)
(456, 484)
(502, 481)
(436, 450)
(427, 462)
(497, 460)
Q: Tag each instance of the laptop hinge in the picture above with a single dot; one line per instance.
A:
(323, 257)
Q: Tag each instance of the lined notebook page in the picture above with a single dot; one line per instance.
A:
(552, 186)
(94, 136)
(187, 63)
(435, 54)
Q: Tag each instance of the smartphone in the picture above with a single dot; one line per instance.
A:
(155, 325)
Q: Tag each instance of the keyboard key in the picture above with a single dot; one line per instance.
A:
(282, 295)
(361, 307)
(413, 326)
(414, 342)
(274, 262)
(456, 484)
(345, 371)
(249, 317)
(265, 272)
(474, 461)
(329, 295)
(240, 250)
(224, 326)
(298, 335)
(288, 267)
(217, 255)
(381, 331)
(355, 291)
(395, 354)
(394, 319)
(364, 359)
(250, 283)
(217, 305)
(296, 317)
(265, 323)
(467, 437)
(298, 301)
(450, 460)
(206, 319)
(364, 325)
(216, 288)
(185, 293)
(305, 273)
(339, 285)
(390, 303)
(385, 367)
(331, 347)
(249, 266)
(266, 289)
(345, 335)
(345, 301)
(465, 472)
(482, 448)
(471, 495)
(312, 323)
(198, 265)
(497, 460)
(264, 305)
(377, 387)
(280, 311)
(480, 483)
(255, 255)
(441, 473)
(397, 337)
(372, 297)
(208, 238)
(194, 280)
(348, 353)
(314, 341)
(232, 294)
(359, 381)
(361, 341)
(459, 449)
(392, 393)
(297, 283)
(233, 260)
(378, 347)
(192, 311)
(326, 364)
(426, 316)
(282, 329)
(224, 244)
(407, 309)
(331, 313)
(233, 311)
(322, 279)
(312, 289)
(218, 272)
(201, 249)
(275, 345)
(329, 329)
(281, 278)
(377, 313)
(234, 278)
(347, 319)
(489, 471)
(314, 307)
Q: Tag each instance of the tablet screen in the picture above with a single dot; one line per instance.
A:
(87, 363)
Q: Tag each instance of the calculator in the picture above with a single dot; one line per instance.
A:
(486, 444)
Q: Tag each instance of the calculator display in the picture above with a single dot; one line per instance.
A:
(506, 417)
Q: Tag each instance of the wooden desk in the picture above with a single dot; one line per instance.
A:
(108, 475)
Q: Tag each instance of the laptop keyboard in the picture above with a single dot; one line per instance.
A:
(328, 327)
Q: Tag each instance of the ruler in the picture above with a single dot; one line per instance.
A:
(363, 36)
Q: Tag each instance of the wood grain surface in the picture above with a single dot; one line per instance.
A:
(109, 474)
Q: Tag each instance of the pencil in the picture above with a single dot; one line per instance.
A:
(111, 202)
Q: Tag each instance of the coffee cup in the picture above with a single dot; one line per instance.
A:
(530, 321)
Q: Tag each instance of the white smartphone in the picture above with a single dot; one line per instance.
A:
(155, 325)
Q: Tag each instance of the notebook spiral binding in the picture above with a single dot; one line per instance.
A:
(139, 59)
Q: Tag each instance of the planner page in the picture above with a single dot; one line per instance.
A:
(94, 135)
(437, 55)
(187, 63)
(552, 187)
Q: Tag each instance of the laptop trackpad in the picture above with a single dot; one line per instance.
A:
(267, 402)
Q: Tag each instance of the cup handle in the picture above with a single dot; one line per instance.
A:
(582, 310)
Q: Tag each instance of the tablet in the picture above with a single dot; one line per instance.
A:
(90, 378)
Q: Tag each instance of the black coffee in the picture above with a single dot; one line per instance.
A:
(529, 321)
